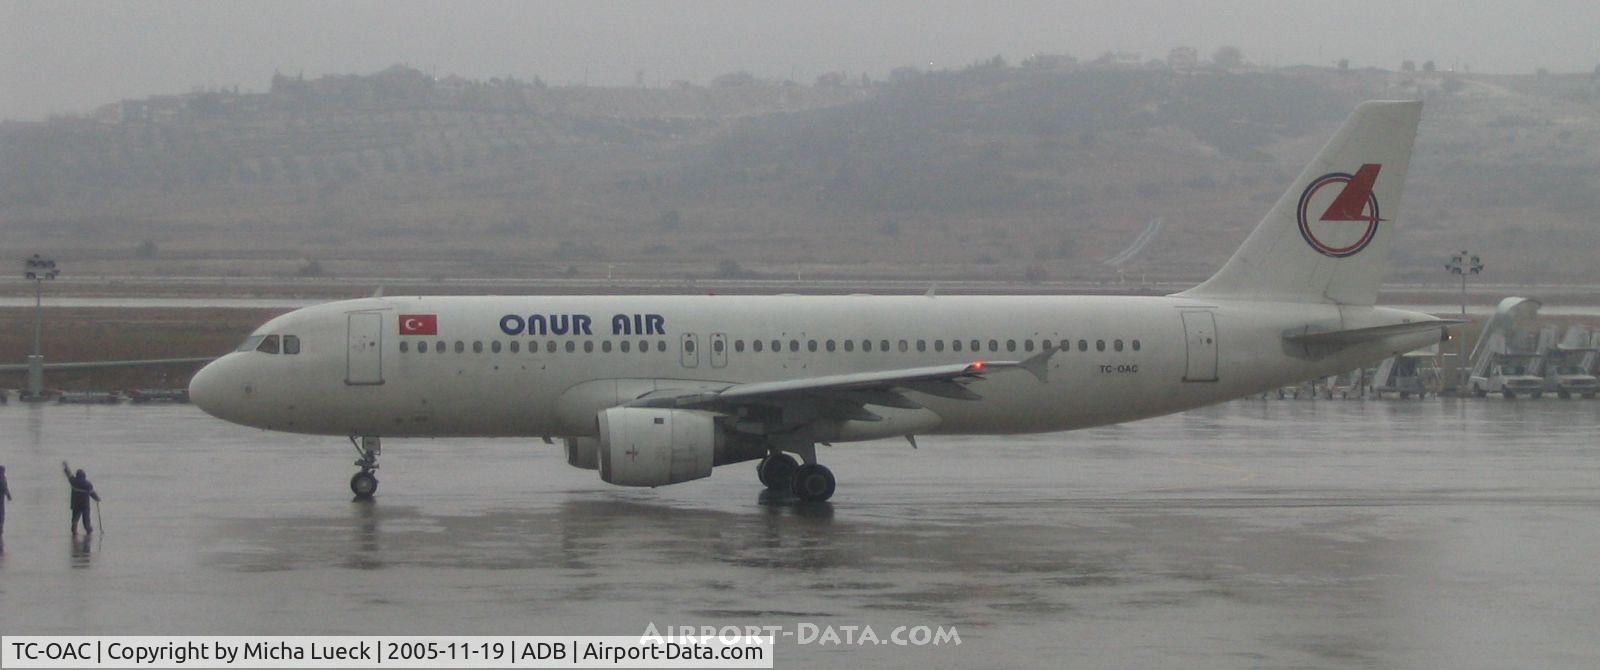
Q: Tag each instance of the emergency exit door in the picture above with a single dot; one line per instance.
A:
(1200, 338)
(364, 358)
(690, 356)
(719, 350)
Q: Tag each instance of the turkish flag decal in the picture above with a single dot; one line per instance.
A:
(419, 324)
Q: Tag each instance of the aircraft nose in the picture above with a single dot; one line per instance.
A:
(205, 389)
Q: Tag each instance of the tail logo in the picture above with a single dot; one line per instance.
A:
(1349, 209)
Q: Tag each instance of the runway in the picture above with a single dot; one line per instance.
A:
(1437, 533)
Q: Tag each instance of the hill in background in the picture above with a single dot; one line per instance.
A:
(1040, 170)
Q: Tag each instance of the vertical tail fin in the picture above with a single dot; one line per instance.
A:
(1327, 238)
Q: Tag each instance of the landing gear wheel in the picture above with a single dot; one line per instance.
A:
(813, 483)
(1565, 395)
(1538, 394)
(1509, 394)
(1479, 391)
(777, 471)
(364, 485)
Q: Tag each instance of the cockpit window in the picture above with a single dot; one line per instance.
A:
(269, 345)
(250, 343)
(291, 344)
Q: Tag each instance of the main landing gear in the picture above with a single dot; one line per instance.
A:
(810, 482)
(364, 484)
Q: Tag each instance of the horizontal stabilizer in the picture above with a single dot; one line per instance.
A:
(1345, 338)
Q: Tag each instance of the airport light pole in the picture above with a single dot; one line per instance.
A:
(1463, 265)
(38, 270)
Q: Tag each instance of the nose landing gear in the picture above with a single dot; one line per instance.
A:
(364, 484)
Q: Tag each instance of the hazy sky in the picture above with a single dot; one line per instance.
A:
(69, 56)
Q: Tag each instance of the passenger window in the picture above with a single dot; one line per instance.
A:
(1047, 344)
(849, 345)
(688, 346)
(291, 345)
(738, 346)
(422, 347)
(551, 346)
(811, 345)
(644, 346)
(718, 346)
(439, 346)
(883, 346)
(757, 346)
(776, 346)
(1066, 345)
(994, 345)
(794, 345)
(626, 346)
(977, 346)
(1116, 344)
(588, 346)
(922, 345)
(903, 346)
(477, 347)
(605, 346)
(461, 347)
(1099, 345)
(404, 348)
(955, 345)
(1011, 345)
(269, 345)
(661, 346)
(829, 346)
(1135, 345)
(516, 347)
(1083, 345)
(571, 346)
(1027, 345)
(494, 347)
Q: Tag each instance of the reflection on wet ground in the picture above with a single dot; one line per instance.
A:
(1435, 534)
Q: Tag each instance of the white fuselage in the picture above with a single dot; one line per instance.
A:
(1127, 358)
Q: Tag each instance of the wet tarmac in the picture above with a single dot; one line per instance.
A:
(1439, 534)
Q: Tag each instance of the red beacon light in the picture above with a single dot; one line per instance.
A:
(977, 366)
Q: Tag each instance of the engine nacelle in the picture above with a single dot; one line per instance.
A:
(582, 452)
(642, 446)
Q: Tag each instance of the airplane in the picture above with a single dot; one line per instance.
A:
(657, 390)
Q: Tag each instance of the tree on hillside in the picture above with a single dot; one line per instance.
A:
(1228, 56)
(1408, 66)
(1427, 66)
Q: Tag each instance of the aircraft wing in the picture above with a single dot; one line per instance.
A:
(93, 365)
(846, 395)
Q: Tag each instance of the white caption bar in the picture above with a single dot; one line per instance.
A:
(379, 651)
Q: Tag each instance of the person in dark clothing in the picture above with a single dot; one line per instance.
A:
(5, 494)
(82, 491)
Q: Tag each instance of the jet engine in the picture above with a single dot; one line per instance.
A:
(642, 446)
(582, 452)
